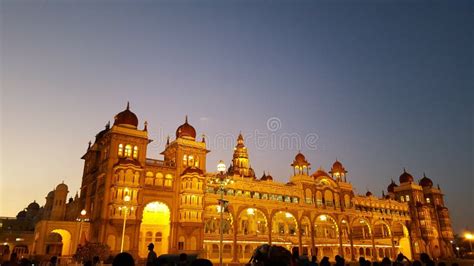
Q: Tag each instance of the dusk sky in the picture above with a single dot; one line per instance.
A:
(379, 85)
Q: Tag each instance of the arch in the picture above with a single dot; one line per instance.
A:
(360, 228)
(252, 221)
(381, 229)
(328, 198)
(111, 240)
(308, 196)
(401, 238)
(212, 220)
(284, 223)
(305, 226)
(155, 228)
(319, 198)
(66, 249)
(326, 229)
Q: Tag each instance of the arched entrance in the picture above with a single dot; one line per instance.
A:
(58, 243)
(155, 228)
(326, 236)
(401, 238)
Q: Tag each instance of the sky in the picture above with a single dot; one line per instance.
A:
(379, 85)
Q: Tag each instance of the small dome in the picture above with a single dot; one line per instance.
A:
(391, 187)
(337, 167)
(320, 172)
(21, 215)
(426, 182)
(405, 177)
(126, 117)
(300, 158)
(33, 206)
(62, 186)
(266, 177)
(368, 194)
(50, 194)
(186, 131)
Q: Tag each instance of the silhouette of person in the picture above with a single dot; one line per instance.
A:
(183, 259)
(151, 259)
(123, 259)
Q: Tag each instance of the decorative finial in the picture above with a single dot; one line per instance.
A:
(128, 105)
(439, 187)
(186, 119)
(146, 126)
(168, 140)
(404, 170)
(89, 145)
(107, 126)
(203, 138)
(383, 194)
(424, 174)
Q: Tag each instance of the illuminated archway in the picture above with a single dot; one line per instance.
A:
(326, 235)
(155, 228)
(401, 238)
(65, 239)
(252, 221)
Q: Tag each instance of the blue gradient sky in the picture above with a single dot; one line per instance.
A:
(383, 84)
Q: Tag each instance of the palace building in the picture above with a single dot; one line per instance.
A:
(172, 203)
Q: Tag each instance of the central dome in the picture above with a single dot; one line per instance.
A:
(186, 130)
(405, 177)
(126, 117)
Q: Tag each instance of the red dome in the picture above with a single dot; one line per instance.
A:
(300, 158)
(320, 172)
(266, 177)
(368, 194)
(391, 187)
(126, 117)
(186, 130)
(405, 177)
(426, 182)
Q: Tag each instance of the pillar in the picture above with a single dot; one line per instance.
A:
(235, 255)
(352, 245)
(341, 249)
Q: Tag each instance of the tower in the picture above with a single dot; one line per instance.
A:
(58, 210)
(300, 165)
(240, 160)
(189, 156)
(113, 169)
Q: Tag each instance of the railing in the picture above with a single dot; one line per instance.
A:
(161, 163)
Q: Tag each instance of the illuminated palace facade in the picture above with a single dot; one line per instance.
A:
(173, 205)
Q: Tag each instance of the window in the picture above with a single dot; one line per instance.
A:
(128, 150)
(158, 237)
(402, 199)
(407, 198)
(185, 160)
(135, 152)
(120, 149)
(428, 200)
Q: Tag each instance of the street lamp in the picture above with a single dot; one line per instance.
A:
(125, 209)
(222, 180)
(81, 219)
(469, 237)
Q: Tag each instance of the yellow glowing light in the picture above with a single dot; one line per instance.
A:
(469, 236)
(126, 198)
(83, 212)
(323, 218)
(250, 211)
(219, 208)
(288, 215)
(221, 166)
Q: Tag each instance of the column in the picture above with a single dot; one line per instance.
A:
(300, 240)
(394, 256)
(352, 245)
(341, 249)
(313, 248)
(374, 251)
(235, 255)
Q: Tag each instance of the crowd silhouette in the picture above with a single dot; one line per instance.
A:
(264, 255)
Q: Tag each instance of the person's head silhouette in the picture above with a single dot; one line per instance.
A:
(123, 259)
(151, 247)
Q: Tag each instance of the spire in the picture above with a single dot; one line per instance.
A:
(146, 126)
(167, 141)
(383, 194)
(203, 138)
(186, 119)
(439, 187)
(89, 146)
(107, 126)
(128, 105)
(404, 170)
